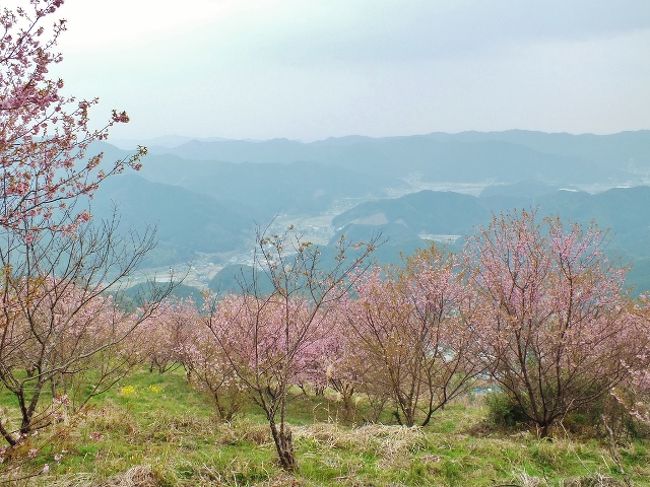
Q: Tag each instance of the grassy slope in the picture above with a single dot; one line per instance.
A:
(166, 434)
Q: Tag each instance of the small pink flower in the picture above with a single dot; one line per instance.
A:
(95, 436)
(120, 117)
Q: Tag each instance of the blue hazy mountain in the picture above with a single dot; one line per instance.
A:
(206, 196)
(426, 211)
(186, 222)
(621, 212)
(264, 190)
(469, 156)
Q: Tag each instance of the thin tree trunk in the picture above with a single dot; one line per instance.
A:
(284, 445)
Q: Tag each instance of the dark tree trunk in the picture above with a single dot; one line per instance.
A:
(284, 446)
(544, 430)
(348, 405)
(7, 435)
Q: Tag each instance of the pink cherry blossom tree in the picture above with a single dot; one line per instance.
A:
(46, 158)
(170, 333)
(551, 315)
(175, 336)
(56, 270)
(633, 394)
(268, 338)
(212, 372)
(345, 368)
(408, 326)
(59, 325)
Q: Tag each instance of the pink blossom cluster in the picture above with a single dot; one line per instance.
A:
(170, 333)
(70, 338)
(271, 336)
(46, 162)
(555, 327)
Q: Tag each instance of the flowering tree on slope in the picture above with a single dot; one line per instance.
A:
(552, 319)
(59, 322)
(56, 270)
(267, 337)
(46, 162)
(409, 327)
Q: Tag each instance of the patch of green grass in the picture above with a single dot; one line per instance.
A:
(158, 427)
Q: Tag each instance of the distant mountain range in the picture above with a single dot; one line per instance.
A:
(206, 196)
(469, 156)
(264, 190)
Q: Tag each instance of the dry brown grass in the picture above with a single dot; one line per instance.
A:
(388, 442)
(245, 430)
(595, 480)
(137, 476)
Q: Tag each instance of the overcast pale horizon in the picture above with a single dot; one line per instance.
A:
(264, 69)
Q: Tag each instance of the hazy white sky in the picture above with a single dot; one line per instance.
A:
(311, 69)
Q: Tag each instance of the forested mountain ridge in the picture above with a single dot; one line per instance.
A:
(467, 156)
(207, 196)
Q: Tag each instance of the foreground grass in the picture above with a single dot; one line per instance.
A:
(154, 430)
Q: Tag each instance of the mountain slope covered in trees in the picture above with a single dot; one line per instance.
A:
(207, 196)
